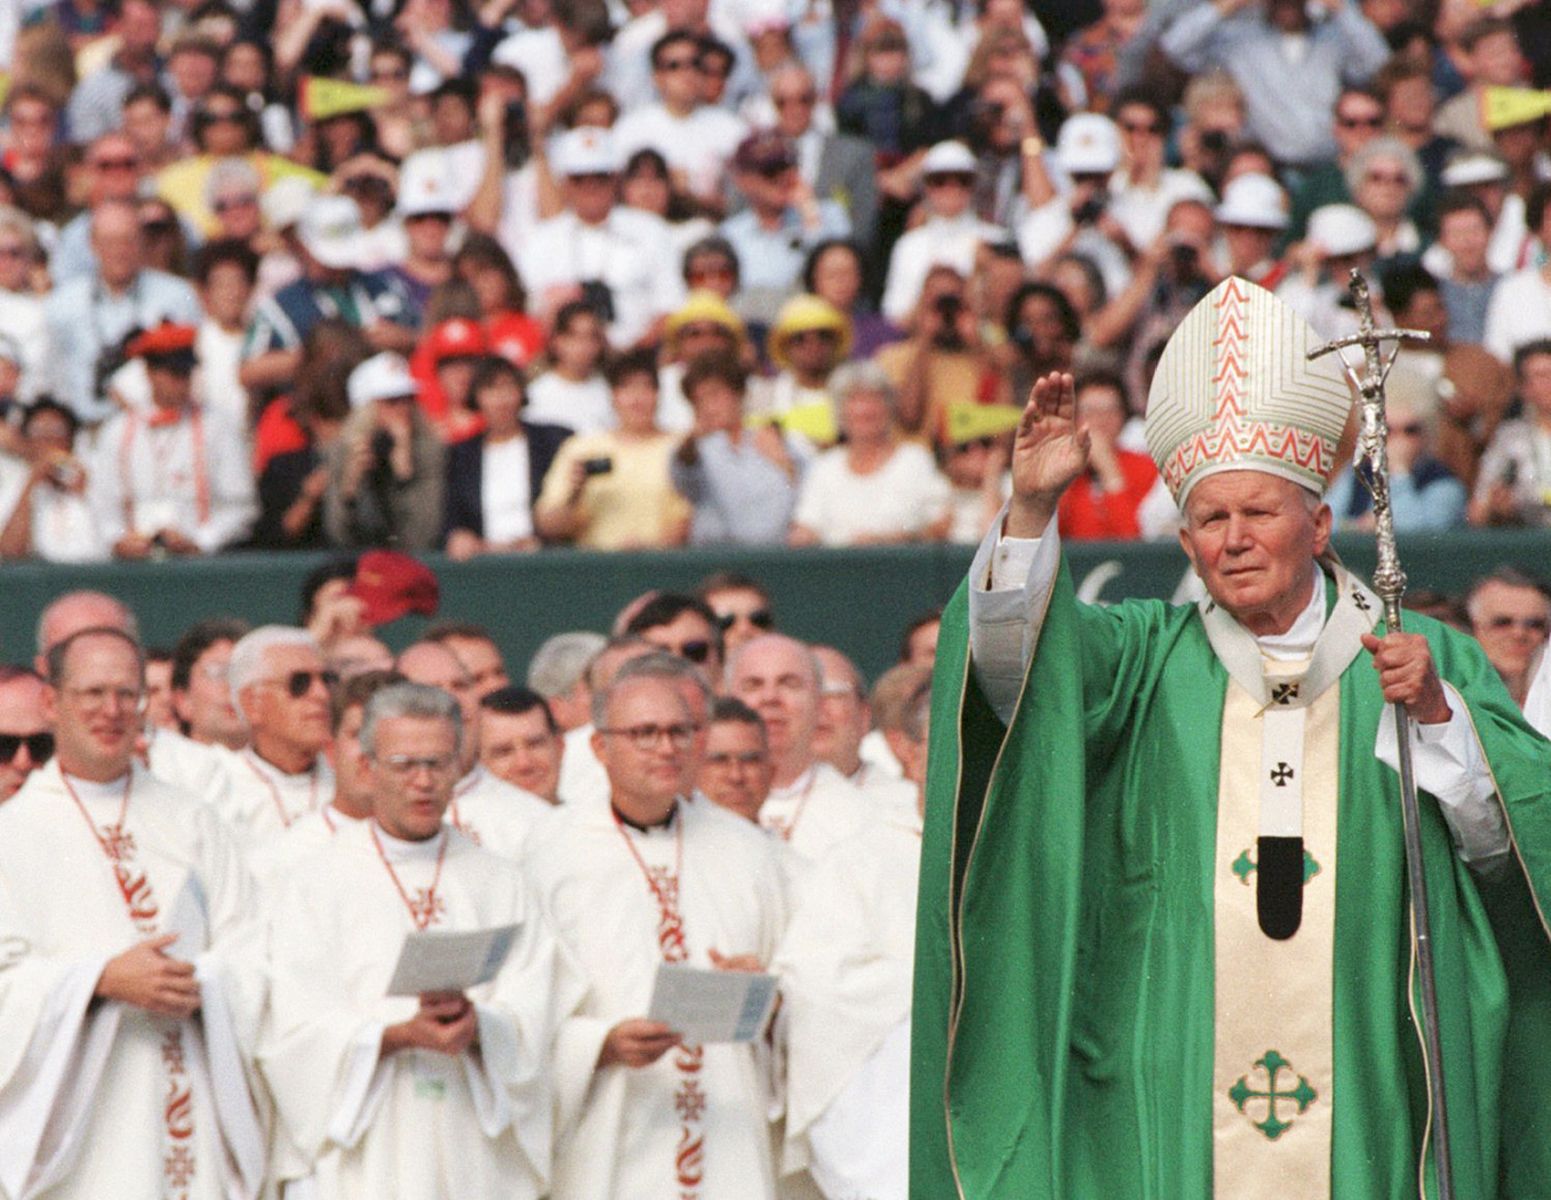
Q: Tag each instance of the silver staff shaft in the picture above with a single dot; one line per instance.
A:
(1389, 581)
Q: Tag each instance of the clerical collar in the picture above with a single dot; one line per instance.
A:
(639, 827)
(1298, 641)
(399, 850)
(92, 789)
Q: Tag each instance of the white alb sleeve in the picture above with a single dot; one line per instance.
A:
(1008, 585)
(1451, 765)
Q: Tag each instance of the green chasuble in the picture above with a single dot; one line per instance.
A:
(1063, 1025)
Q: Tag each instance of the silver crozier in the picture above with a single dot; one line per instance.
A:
(1389, 581)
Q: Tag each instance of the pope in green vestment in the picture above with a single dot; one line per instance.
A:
(1063, 1028)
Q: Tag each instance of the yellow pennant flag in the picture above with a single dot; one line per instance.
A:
(968, 421)
(815, 421)
(5, 85)
(1505, 107)
(322, 98)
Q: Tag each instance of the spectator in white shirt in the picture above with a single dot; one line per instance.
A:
(174, 479)
(696, 139)
(43, 508)
(951, 233)
(876, 489)
(618, 257)
(573, 392)
(1520, 310)
(224, 275)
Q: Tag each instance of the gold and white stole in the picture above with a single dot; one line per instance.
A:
(1274, 1065)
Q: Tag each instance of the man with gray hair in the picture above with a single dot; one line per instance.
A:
(444, 1094)
(283, 691)
(558, 672)
(201, 771)
(811, 805)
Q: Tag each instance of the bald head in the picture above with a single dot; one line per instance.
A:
(779, 678)
(76, 611)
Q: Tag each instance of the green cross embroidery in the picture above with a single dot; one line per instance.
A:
(1303, 1095)
(1244, 867)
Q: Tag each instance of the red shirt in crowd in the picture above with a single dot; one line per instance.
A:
(1087, 512)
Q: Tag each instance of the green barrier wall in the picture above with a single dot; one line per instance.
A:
(858, 599)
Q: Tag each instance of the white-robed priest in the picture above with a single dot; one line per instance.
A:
(122, 1069)
(444, 1097)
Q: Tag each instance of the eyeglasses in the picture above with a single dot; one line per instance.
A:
(647, 737)
(1532, 624)
(678, 64)
(405, 765)
(94, 698)
(760, 618)
(40, 746)
(749, 758)
(951, 179)
(1386, 177)
(116, 164)
(1359, 122)
(298, 683)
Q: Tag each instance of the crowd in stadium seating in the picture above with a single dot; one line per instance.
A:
(489, 278)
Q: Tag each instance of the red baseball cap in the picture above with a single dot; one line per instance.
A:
(456, 338)
(390, 584)
(166, 338)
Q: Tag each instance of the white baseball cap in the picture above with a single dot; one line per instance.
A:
(383, 376)
(1473, 167)
(585, 151)
(424, 187)
(948, 158)
(1088, 144)
(1253, 200)
(330, 229)
(283, 203)
(1342, 229)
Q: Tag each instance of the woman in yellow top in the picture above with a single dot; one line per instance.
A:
(612, 490)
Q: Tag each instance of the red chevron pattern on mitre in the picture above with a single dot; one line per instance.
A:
(1256, 440)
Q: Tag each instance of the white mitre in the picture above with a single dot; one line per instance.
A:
(1235, 391)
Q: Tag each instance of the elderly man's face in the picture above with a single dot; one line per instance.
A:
(289, 703)
(1511, 624)
(843, 713)
(775, 677)
(1252, 539)
(522, 749)
(413, 766)
(25, 741)
(737, 772)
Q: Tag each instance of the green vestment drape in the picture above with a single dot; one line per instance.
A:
(1063, 1021)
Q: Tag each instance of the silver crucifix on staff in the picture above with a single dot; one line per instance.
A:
(1389, 581)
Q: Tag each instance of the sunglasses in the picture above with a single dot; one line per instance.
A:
(760, 618)
(298, 683)
(698, 651)
(40, 746)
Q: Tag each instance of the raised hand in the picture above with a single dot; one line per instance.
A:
(1050, 451)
